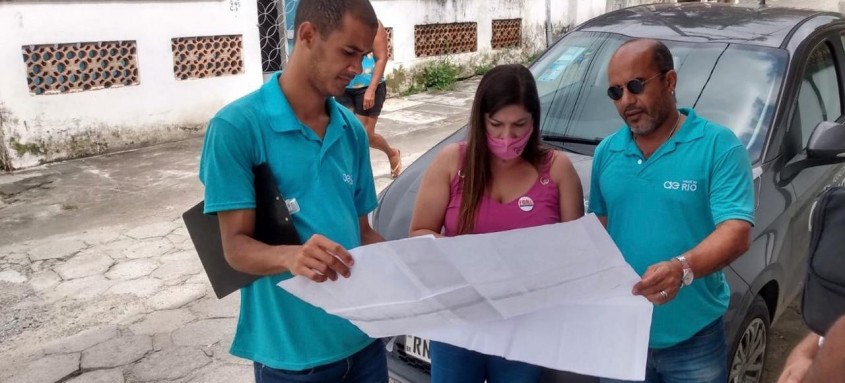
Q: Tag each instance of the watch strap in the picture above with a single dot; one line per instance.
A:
(686, 270)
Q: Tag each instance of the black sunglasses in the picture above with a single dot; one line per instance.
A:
(635, 86)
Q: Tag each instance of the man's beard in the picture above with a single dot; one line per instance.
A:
(649, 124)
(648, 127)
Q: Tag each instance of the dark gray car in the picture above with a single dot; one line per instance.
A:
(775, 76)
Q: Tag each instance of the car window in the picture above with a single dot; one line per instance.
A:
(733, 85)
(742, 93)
(819, 94)
(572, 84)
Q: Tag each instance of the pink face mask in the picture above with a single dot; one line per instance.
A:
(508, 148)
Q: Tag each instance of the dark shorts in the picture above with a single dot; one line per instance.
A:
(354, 100)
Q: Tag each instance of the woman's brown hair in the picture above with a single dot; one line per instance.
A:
(502, 86)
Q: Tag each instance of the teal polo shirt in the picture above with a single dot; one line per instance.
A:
(332, 181)
(660, 207)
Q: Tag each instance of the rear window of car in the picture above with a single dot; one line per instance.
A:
(733, 85)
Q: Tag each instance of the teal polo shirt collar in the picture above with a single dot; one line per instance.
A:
(690, 131)
(278, 110)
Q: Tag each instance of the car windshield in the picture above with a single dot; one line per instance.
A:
(730, 84)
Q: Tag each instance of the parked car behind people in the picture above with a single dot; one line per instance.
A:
(771, 75)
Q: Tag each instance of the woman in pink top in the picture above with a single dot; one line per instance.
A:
(501, 178)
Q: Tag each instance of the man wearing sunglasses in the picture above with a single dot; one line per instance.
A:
(675, 193)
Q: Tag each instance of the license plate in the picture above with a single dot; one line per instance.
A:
(417, 347)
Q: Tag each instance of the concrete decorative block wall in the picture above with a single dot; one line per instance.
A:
(407, 17)
(75, 111)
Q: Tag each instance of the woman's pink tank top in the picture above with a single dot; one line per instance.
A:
(540, 205)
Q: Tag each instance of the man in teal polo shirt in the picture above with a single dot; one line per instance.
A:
(319, 156)
(675, 193)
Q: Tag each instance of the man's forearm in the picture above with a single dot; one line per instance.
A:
(725, 244)
(378, 73)
(380, 52)
(807, 348)
(250, 256)
(376, 77)
(799, 360)
(370, 236)
(829, 365)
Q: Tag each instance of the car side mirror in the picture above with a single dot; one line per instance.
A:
(825, 147)
(827, 141)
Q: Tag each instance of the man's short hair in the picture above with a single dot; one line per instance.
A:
(327, 15)
(661, 56)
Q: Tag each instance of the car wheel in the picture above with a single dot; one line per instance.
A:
(748, 351)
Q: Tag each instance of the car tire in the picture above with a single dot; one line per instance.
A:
(748, 351)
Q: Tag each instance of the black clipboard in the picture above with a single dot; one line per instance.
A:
(273, 226)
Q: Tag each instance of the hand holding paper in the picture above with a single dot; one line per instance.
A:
(319, 259)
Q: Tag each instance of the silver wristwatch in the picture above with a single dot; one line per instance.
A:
(687, 276)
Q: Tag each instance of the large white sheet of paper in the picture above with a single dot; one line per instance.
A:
(607, 338)
(555, 295)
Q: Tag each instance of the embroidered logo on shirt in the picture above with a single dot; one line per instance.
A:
(348, 179)
(685, 185)
(525, 203)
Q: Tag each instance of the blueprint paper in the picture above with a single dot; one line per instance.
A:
(458, 289)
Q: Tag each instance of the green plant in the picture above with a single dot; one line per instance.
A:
(532, 57)
(440, 75)
(413, 89)
(22, 148)
(482, 69)
(396, 80)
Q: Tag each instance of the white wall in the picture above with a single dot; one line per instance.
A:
(613, 5)
(160, 108)
(587, 9)
(402, 15)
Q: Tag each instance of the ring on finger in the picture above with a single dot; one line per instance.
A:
(664, 294)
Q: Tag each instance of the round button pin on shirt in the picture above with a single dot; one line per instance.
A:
(525, 203)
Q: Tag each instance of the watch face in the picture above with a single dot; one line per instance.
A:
(687, 277)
